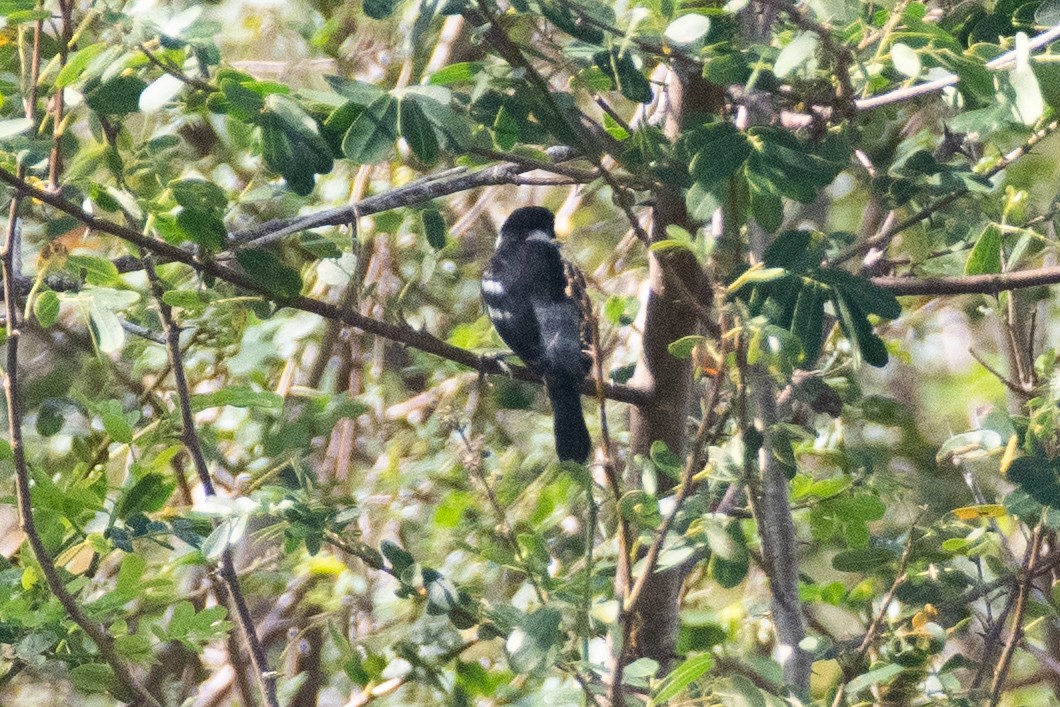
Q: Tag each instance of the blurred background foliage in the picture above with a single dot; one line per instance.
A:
(401, 529)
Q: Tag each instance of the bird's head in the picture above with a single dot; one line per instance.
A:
(529, 222)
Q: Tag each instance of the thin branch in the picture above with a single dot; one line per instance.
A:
(176, 72)
(1023, 589)
(881, 239)
(432, 187)
(402, 334)
(991, 284)
(1000, 62)
(9, 260)
(1023, 393)
(266, 677)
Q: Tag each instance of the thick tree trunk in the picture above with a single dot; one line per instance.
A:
(669, 315)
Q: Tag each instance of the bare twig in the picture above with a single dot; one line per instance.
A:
(1000, 62)
(266, 677)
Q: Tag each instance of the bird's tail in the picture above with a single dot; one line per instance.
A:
(568, 423)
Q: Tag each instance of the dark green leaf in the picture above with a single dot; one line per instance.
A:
(1038, 477)
(433, 228)
(681, 677)
(417, 131)
(148, 494)
(117, 96)
(985, 257)
(269, 272)
(534, 640)
(372, 135)
(379, 9)
(807, 320)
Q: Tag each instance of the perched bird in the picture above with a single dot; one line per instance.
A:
(536, 300)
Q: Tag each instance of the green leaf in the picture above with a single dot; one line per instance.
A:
(797, 52)
(110, 337)
(807, 320)
(203, 227)
(985, 257)
(115, 423)
(237, 396)
(566, 14)
(13, 127)
(506, 129)
(379, 9)
(372, 135)
(459, 73)
(718, 150)
(873, 677)
(433, 228)
(160, 92)
(687, 31)
(862, 560)
(359, 92)
(93, 677)
(76, 64)
(117, 96)
(1029, 104)
(148, 494)
(622, 69)
(682, 348)
(46, 308)
(135, 647)
(398, 557)
(267, 271)
(535, 639)
(417, 131)
(858, 329)
(1038, 477)
(95, 271)
(905, 60)
(869, 297)
(1048, 75)
(243, 103)
(291, 143)
(681, 677)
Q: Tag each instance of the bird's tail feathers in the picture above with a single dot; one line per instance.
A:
(572, 437)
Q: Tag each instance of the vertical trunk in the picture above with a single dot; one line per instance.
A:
(669, 315)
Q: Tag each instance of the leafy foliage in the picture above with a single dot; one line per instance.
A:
(402, 530)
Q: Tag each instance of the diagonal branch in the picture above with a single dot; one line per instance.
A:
(266, 677)
(9, 264)
(403, 334)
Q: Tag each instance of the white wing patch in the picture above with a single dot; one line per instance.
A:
(501, 314)
(492, 287)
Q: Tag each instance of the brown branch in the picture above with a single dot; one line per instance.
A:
(1023, 589)
(1000, 62)
(9, 260)
(881, 239)
(402, 334)
(189, 436)
(991, 284)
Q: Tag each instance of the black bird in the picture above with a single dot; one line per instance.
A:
(536, 300)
